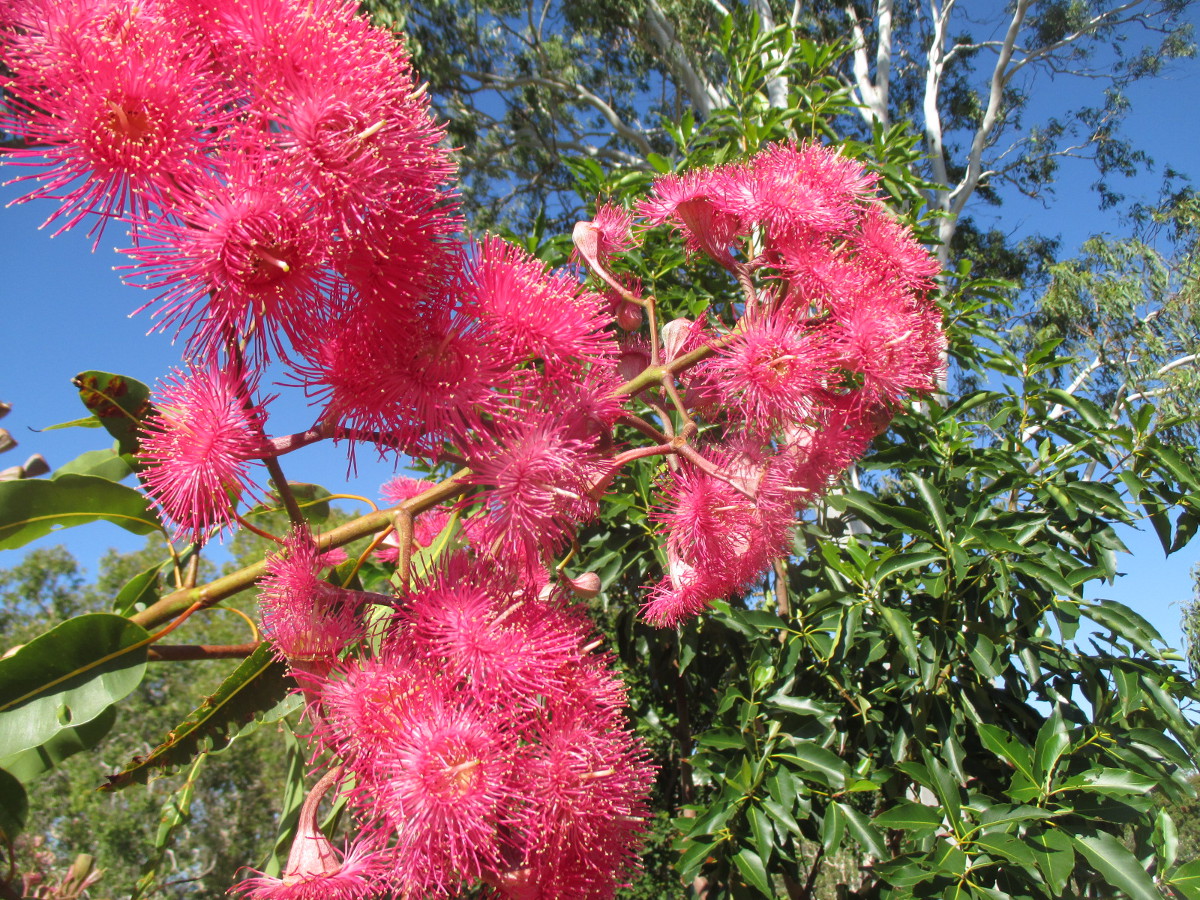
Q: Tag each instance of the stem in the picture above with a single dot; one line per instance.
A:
(404, 535)
(655, 338)
(617, 462)
(193, 570)
(177, 652)
(236, 582)
(285, 491)
(253, 529)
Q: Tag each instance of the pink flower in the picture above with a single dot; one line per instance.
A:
(417, 380)
(444, 783)
(199, 446)
(882, 336)
(121, 115)
(467, 622)
(250, 257)
(536, 481)
(720, 538)
(531, 312)
(771, 373)
(884, 242)
(309, 621)
(583, 832)
(808, 188)
(706, 205)
(314, 870)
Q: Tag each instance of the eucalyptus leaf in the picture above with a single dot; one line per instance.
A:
(32, 508)
(67, 677)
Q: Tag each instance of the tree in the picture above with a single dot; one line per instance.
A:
(525, 85)
(899, 693)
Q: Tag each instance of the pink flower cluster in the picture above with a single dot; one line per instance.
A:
(486, 738)
(286, 197)
(835, 328)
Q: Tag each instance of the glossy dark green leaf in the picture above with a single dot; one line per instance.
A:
(832, 828)
(119, 402)
(1055, 857)
(753, 870)
(901, 626)
(1052, 741)
(1110, 782)
(14, 807)
(816, 758)
(905, 562)
(1124, 622)
(909, 816)
(863, 830)
(933, 502)
(1186, 879)
(32, 508)
(67, 677)
(254, 688)
(1120, 868)
(1006, 847)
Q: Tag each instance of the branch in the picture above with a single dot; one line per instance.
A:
(1173, 364)
(174, 603)
(177, 652)
(983, 134)
(874, 95)
(1109, 17)
(705, 97)
(504, 83)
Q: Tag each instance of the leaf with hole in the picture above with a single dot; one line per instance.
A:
(67, 677)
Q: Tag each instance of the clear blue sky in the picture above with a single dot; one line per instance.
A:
(65, 311)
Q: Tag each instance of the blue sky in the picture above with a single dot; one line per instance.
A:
(64, 311)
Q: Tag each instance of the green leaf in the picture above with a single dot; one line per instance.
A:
(106, 464)
(139, 592)
(1111, 782)
(14, 807)
(67, 677)
(863, 830)
(1003, 813)
(909, 816)
(30, 765)
(32, 508)
(89, 422)
(760, 828)
(119, 402)
(1119, 867)
(816, 758)
(256, 686)
(1052, 741)
(833, 828)
(1055, 857)
(933, 503)
(753, 870)
(1124, 622)
(900, 625)
(1186, 879)
(1006, 847)
(905, 562)
(176, 812)
(1007, 747)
